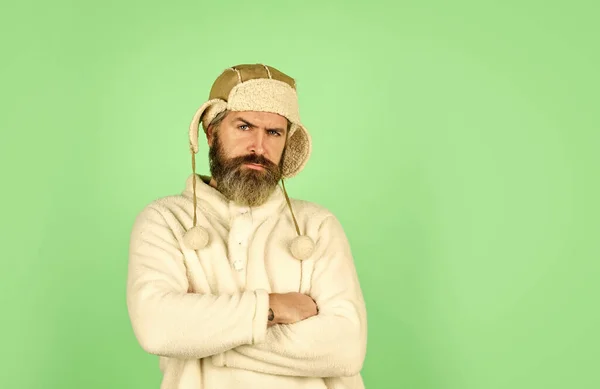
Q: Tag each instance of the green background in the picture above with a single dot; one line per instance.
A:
(457, 142)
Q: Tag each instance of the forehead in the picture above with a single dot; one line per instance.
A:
(260, 119)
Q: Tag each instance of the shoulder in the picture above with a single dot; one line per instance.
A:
(315, 214)
(162, 221)
(157, 210)
(320, 223)
(310, 209)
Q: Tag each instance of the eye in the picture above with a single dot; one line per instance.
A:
(243, 127)
(274, 132)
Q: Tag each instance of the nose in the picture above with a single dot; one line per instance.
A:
(257, 143)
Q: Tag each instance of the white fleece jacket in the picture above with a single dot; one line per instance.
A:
(204, 312)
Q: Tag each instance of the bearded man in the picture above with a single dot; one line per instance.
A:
(231, 283)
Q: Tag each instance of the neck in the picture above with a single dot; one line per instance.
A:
(213, 183)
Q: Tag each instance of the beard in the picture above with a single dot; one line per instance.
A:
(242, 185)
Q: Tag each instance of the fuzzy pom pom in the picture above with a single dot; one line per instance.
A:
(196, 238)
(302, 247)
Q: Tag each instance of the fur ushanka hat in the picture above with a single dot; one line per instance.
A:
(259, 88)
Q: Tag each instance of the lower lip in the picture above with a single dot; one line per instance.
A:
(255, 167)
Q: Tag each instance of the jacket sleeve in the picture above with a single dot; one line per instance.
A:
(166, 319)
(331, 344)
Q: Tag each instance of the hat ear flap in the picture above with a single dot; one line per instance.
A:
(298, 151)
(206, 113)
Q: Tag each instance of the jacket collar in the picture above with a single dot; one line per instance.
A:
(211, 201)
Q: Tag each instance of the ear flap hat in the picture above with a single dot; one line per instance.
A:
(259, 88)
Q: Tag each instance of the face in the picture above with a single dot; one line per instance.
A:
(246, 154)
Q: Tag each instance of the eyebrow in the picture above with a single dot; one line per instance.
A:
(239, 119)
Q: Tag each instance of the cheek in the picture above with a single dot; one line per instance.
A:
(233, 146)
(277, 150)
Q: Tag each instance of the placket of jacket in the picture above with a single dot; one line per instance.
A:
(241, 229)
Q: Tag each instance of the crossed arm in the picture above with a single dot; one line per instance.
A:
(331, 344)
(232, 329)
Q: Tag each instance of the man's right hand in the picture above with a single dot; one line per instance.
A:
(289, 308)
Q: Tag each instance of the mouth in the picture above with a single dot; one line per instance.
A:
(254, 166)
